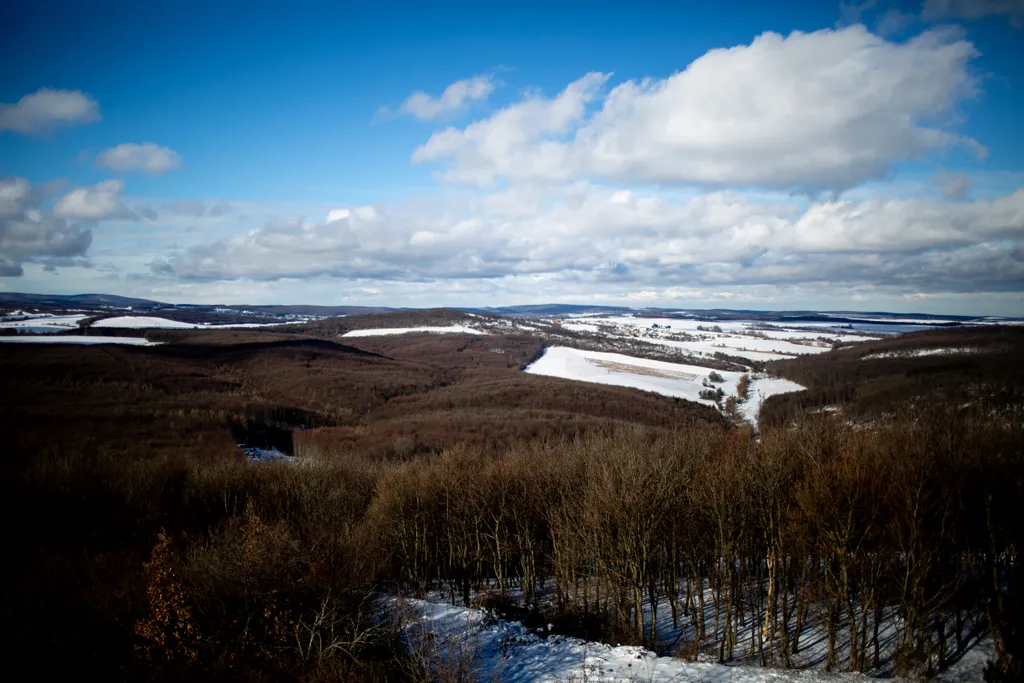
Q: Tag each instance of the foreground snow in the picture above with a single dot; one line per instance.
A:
(508, 651)
(382, 331)
(65, 339)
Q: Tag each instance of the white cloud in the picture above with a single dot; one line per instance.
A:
(14, 194)
(92, 203)
(518, 141)
(147, 157)
(615, 240)
(10, 268)
(28, 233)
(456, 96)
(972, 10)
(823, 110)
(46, 109)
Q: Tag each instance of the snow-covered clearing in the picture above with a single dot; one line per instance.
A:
(381, 331)
(769, 330)
(138, 322)
(669, 379)
(43, 324)
(751, 348)
(496, 649)
(68, 339)
(144, 321)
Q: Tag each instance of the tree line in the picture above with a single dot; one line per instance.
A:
(898, 541)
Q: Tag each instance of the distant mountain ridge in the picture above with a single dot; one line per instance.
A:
(137, 305)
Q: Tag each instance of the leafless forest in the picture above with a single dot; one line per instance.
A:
(142, 545)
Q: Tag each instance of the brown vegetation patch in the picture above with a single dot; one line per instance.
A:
(629, 369)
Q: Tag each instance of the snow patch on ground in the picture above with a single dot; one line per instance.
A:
(508, 651)
(381, 331)
(760, 388)
(67, 339)
(258, 455)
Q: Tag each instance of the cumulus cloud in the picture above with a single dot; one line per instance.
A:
(14, 194)
(822, 110)
(95, 202)
(972, 10)
(622, 240)
(36, 234)
(147, 157)
(9, 268)
(454, 98)
(46, 109)
(516, 142)
(28, 233)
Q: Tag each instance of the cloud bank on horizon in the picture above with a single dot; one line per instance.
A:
(827, 168)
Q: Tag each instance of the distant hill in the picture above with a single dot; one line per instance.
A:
(91, 300)
(550, 309)
(320, 311)
(101, 303)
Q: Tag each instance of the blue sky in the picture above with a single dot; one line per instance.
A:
(856, 156)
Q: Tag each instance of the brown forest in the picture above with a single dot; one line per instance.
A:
(143, 546)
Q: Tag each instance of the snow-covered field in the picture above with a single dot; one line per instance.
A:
(143, 321)
(42, 324)
(748, 339)
(669, 379)
(382, 331)
(67, 339)
(496, 649)
(138, 322)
